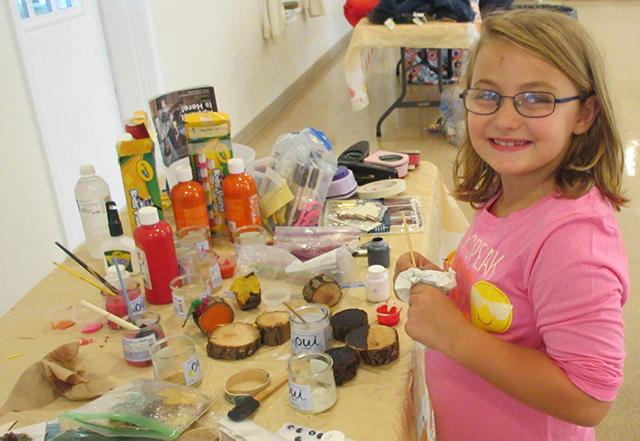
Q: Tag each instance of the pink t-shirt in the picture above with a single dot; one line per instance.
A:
(553, 277)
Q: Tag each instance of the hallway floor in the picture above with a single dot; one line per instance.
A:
(614, 25)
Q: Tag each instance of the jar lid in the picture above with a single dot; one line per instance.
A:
(377, 270)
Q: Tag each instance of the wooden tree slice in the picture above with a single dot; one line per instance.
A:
(274, 327)
(346, 321)
(376, 345)
(345, 364)
(322, 289)
(233, 341)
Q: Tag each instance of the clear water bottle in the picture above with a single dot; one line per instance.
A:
(92, 192)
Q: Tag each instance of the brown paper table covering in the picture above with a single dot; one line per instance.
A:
(366, 36)
(386, 403)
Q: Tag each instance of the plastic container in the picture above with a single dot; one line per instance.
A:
(376, 284)
(157, 255)
(313, 336)
(118, 247)
(175, 360)
(92, 192)
(312, 387)
(136, 345)
(241, 202)
(388, 314)
(189, 202)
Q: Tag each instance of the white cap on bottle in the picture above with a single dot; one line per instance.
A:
(112, 274)
(377, 271)
(236, 166)
(184, 174)
(87, 169)
(148, 216)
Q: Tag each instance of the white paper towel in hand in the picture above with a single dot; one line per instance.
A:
(444, 280)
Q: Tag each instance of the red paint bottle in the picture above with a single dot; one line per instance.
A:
(157, 255)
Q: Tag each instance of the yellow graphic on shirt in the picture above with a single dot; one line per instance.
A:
(491, 309)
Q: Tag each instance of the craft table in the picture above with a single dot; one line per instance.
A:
(382, 403)
(367, 36)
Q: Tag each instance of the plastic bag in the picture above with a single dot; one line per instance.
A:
(295, 184)
(308, 242)
(87, 435)
(338, 263)
(143, 409)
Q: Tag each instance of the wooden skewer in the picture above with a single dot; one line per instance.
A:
(408, 237)
(90, 270)
(85, 279)
(114, 318)
(290, 308)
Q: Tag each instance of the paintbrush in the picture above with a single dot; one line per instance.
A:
(90, 270)
(114, 318)
(408, 237)
(85, 279)
(246, 406)
(290, 308)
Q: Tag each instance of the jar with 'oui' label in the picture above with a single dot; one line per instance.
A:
(314, 334)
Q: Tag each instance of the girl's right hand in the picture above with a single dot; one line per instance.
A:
(404, 263)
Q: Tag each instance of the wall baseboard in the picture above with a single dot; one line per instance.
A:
(249, 130)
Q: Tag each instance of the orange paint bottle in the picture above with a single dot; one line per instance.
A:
(189, 202)
(241, 204)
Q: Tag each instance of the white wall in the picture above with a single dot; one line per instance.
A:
(30, 221)
(220, 43)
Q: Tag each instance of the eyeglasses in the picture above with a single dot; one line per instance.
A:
(527, 104)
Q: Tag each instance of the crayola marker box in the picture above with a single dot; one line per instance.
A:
(139, 177)
(209, 143)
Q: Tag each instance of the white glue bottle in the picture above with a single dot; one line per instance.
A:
(119, 247)
(92, 192)
(376, 283)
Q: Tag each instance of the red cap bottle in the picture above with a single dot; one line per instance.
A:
(157, 255)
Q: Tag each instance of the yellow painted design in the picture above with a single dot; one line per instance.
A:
(491, 309)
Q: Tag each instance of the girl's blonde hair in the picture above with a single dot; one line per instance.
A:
(593, 158)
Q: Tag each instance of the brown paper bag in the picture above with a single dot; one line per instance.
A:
(56, 374)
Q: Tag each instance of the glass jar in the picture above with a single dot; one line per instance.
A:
(204, 263)
(175, 360)
(117, 305)
(312, 387)
(313, 336)
(194, 238)
(136, 344)
(249, 235)
(185, 289)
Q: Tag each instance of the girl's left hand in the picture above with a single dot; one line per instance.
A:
(433, 319)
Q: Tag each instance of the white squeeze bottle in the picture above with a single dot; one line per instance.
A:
(92, 192)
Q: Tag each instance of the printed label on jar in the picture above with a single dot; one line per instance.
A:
(137, 349)
(206, 293)
(123, 257)
(192, 371)
(303, 342)
(203, 245)
(144, 269)
(215, 275)
(300, 396)
(179, 305)
(137, 304)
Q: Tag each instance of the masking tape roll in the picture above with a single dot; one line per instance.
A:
(382, 189)
(247, 382)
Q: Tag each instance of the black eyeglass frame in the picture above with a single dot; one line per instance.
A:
(583, 96)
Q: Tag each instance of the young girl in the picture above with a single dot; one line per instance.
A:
(530, 344)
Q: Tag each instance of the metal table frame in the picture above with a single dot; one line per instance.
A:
(404, 69)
